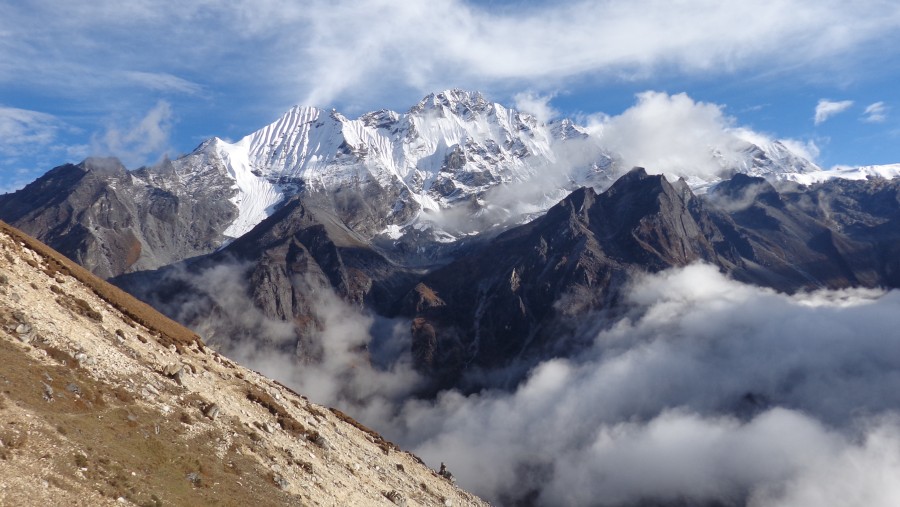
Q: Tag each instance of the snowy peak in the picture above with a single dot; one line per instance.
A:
(455, 101)
(452, 148)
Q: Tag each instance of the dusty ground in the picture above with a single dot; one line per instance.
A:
(98, 409)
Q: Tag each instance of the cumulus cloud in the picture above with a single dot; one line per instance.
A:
(875, 113)
(807, 149)
(138, 138)
(675, 135)
(825, 109)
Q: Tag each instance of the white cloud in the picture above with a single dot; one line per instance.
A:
(322, 51)
(875, 113)
(709, 391)
(536, 105)
(806, 149)
(22, 129)
(675, 135)
(162, 81)
(138, 138)
(826, 109)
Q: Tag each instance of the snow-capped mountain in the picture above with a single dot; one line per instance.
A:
(446, 149)
(452, 148)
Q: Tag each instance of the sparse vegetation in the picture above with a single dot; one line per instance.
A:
(287, 422)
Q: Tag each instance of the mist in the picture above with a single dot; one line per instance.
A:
(707, 390)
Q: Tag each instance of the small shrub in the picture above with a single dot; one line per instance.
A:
(81, 460)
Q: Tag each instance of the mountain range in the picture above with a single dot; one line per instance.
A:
(493, 233)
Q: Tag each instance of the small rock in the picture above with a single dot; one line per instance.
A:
(211, 411)
(321, 441)
(194, 477)
(396, 497)
(152, 390)
(448, 502)
(84, 359)
(23, 329)
(175, 371)
(268, 428)
(171, 369)
(48, 392)
(280, 481)
(73, 388)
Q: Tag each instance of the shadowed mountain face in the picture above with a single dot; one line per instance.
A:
(271, 274)
(528, 289)
(114, 221)
(525, 296)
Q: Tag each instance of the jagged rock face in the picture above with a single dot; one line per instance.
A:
(526, 291)
(113, 221)
(831, 235)
(522, 297)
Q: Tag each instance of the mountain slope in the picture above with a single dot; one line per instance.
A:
(103, 399)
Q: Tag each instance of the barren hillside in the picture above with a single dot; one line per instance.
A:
(104, 401)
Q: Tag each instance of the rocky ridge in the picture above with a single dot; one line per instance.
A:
(106, 402)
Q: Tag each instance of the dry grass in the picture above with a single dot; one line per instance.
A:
(119, 448)
(287, 422)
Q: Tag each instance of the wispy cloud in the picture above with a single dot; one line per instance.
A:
(875, 113)
(22, 129)
(825, 109)
(138, 138)
(162, 81)
(321, 51)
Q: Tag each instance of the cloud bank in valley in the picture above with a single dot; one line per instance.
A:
(708, 390)
(711, 390)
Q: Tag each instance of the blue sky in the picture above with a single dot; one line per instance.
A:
(146, 78)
